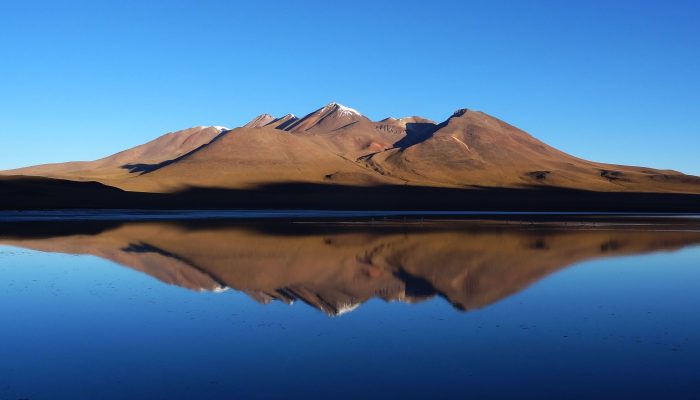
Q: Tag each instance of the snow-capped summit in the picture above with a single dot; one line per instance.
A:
(343, 110)
(331, 116)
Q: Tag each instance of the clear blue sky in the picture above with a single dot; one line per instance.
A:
(610, 81)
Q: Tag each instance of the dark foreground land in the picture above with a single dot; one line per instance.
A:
(30, 193)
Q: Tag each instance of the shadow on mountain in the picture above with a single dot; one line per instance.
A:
(26, 193)
(144, 168)
(282, 124)
(336, 270)
(416, 132)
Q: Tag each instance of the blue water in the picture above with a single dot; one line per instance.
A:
(84, 327)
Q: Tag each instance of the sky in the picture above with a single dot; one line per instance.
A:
(609, 81)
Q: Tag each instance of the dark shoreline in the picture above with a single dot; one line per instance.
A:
(350, 220)
(28, 193)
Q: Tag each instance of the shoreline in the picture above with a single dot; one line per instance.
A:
(344, 216)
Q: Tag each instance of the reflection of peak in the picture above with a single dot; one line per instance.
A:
(179, 271)
(345, 308)
(335, 271)
(336, 310)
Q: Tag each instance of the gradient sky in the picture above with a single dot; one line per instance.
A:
(610, 81)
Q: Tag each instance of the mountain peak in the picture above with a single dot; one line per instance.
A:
(329, 117)
(283, 122)
(460, 112)
(337, 107)
(260, 120)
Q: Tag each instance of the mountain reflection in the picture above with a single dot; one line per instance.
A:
(337, 268)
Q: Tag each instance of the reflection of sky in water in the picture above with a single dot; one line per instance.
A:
(83, 327)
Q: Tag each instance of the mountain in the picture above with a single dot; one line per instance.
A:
(328, 118)
(268, 120)
(337, 145)
(124, 164)
(344, 131)
(474, 149)
(260, 120)
(283, 122)
(248, 157)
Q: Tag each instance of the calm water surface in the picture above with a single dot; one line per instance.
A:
(199, 310)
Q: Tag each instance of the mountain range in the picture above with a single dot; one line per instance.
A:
(335, 157)
(336, 144)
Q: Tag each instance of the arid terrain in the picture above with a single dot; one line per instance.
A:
(338, 148)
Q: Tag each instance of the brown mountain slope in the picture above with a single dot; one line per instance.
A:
(126, 163)
(327, 119)
(248, 157)
(400, 125)
(337, 144)
(271, 121)
(260, 120)
(347, 133)
(355, 140)
(474, 149)
(283, 122)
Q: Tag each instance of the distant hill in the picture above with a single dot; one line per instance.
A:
(128, 163)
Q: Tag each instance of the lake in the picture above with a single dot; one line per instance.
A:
(350, 309)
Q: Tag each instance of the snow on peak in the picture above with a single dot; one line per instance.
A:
(220, 128)
(342, 110)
